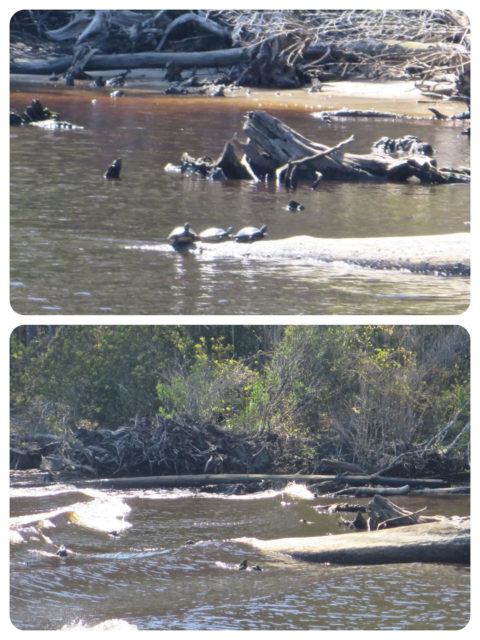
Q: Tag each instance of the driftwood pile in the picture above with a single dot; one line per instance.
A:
(159, 447)
(379, 513)
(273, 150)
(163, 452)
(272, 48)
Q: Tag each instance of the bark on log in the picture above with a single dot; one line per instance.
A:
(447, 542)
(146, 60)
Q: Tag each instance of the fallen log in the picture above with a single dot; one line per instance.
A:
(145, 60)
(372, 491)
(447, 541)
(440, 255)
(198, 480)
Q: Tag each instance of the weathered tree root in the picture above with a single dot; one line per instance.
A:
(276, 151)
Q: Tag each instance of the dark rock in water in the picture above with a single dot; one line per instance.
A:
(113, 171)
(15, 119)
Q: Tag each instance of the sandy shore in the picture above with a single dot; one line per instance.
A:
(400, 97)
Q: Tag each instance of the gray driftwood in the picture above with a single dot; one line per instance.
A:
(445, 541)
(296, 157)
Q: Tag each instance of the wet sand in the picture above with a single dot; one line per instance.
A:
(400, 97)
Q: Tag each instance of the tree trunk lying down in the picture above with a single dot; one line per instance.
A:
(202, 479)
(447, 254)
(145, 60)
(445, 541)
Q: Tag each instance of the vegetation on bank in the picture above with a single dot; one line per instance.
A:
(213, 398)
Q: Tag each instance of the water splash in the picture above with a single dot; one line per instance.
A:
(300, 491)
(114, 624)
(104, 513)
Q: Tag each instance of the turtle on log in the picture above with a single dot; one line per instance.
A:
(250, 234)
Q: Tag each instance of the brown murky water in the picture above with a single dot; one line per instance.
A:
(79, 243)
(146, 577)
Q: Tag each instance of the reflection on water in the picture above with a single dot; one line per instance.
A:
(70, 227)
(175, 566)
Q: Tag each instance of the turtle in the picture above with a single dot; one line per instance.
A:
(249, 234)
(215, 234)
(183, 235)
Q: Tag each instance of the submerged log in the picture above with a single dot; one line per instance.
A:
(441, 255)
(447, 541)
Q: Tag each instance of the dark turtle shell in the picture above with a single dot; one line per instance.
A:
(183, 235)
(215, 234)
(249, 234)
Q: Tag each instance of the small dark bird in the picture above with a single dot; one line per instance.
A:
(113, 171)
(62, 551)
(293, 205)
(243, 565)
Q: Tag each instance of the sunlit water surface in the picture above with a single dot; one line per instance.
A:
(79, 243)
(173, 564)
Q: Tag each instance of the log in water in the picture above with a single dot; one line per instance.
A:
(447, 541)
(445, 254)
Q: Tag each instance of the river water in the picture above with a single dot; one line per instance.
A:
(173, 564)
(83, 245)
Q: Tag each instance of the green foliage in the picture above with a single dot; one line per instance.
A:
(358, 392)
(214, 388)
